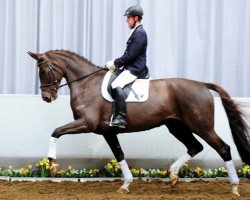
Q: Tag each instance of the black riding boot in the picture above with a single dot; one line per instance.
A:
(119, 118)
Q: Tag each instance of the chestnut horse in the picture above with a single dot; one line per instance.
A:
(186, 107)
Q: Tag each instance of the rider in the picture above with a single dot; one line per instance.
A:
(132, 63)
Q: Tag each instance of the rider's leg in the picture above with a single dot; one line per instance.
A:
(119, 118)
(123, 79)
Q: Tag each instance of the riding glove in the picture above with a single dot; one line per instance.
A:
(110, 64)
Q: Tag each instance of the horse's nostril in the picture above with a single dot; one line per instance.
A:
(47, 99)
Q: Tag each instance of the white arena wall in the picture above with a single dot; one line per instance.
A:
(26, 123)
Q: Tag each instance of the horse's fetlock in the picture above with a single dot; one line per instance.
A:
(197, 149)
(225, 152)
(119, 156)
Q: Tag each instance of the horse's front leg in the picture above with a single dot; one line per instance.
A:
(114, 144)
(76, 127)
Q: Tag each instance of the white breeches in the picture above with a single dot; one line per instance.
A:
(123, 79)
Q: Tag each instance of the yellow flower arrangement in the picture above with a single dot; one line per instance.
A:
(10, 170)
(112, 168)
(244, 172)
(43, 165)
(139, 172)
(93, 172)
(198, 170)
(161, 173)
(135, 172)
(23, 171)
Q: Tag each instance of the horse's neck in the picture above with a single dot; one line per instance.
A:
(75, 67)
(77, 70)
(86, 91)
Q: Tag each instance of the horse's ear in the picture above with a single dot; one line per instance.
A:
(36, 56)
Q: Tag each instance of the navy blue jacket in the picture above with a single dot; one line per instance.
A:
(134, 59)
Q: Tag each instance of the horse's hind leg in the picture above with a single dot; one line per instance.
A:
(184, 135)
(223, 150)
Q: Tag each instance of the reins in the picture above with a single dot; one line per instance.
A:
(80, 78)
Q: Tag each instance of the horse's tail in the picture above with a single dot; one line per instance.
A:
(237, 123)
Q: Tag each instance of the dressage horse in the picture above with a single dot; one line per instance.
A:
(185, 106)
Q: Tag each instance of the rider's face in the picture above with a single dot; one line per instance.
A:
(131, 21)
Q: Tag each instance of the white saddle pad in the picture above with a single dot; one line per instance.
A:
(140, 87)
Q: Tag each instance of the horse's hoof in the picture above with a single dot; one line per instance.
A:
(123, 190)
(53, 169)
(235, 190)
(174, 179)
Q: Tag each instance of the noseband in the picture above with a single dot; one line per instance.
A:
(53, 82)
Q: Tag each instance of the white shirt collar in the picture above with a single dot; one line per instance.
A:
(133, 29)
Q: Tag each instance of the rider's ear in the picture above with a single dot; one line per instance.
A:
(36, 56)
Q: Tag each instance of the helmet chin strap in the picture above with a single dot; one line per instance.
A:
(134, 23)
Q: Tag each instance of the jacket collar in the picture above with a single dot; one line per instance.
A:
(135, 28)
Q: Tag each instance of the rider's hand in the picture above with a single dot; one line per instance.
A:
(110, 64)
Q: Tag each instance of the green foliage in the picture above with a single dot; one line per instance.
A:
(112, 169)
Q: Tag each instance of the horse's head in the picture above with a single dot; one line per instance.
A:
(50, 75)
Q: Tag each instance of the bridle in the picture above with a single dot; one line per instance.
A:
(52, 81)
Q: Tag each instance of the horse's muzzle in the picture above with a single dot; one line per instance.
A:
(47, 99)
(49, 96)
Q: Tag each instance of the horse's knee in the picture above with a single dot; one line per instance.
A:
(197, 148)
(225, 153)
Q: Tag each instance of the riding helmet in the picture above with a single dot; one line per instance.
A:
(134, 11)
